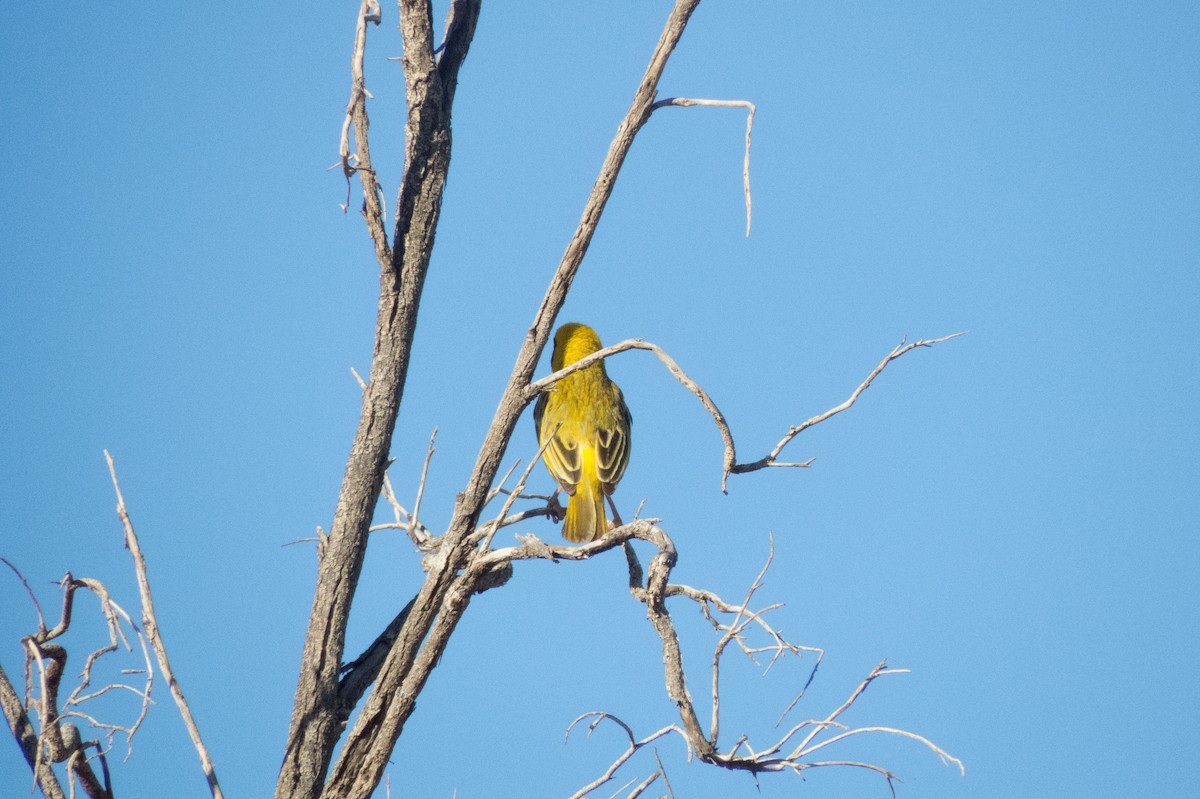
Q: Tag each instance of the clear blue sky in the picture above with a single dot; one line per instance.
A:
(1011, 515)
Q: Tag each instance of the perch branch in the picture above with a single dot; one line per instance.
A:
(707, 749)
(731, 466)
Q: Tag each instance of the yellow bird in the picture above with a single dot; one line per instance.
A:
(590, 449)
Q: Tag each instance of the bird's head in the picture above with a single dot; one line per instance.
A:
(572, 342)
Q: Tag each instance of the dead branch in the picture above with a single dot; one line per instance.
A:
(707, 748)
(416, 530)
(356, 115)
(456, 566)
(150, 625)
(662, 770)
(502, 518)
(731, 465)
(687, 102)
(55, 739)
(362, 671)
(317, 721)
(37, 606)
(634, 745)
(408, 522)
(454, 572)
(28, 739)
(770, 459)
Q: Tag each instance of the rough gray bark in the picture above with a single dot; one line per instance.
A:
(317, 716)
(27, 738)
(451, 580)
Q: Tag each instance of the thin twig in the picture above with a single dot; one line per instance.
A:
(686, 102)
(734, 631)
(32, 597)
(769, 460)
(663, 769)
(150, 625)
(642, 786)
(500, 489)
(634, 745)
(520, 486)
(415, 530)
(356, 115)
(945, 757)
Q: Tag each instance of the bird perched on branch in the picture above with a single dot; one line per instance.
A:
(586, 415)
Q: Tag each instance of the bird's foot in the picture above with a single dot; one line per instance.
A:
(554, 509)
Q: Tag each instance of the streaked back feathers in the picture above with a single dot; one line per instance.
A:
(590, 449)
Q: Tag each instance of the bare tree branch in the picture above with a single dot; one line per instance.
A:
(662, 770)
(731, 466)
(769, 460)
(150, 625)
(657, 588)
(453, 574)
(28, 739)
(406, 521)
(687, 102)
(634, 745)
(317, 713)
(502, 518)
(362, 671)
(37, 606)
(55, 739)
(356, 113)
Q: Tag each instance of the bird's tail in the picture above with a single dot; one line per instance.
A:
(586, 520)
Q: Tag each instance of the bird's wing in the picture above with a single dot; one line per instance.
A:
(612, 446)
(562, 457)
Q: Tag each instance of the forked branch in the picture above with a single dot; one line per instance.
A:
(733, 628)
(55, 738)
(742, 756)
(634, 745)
(770, 459)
